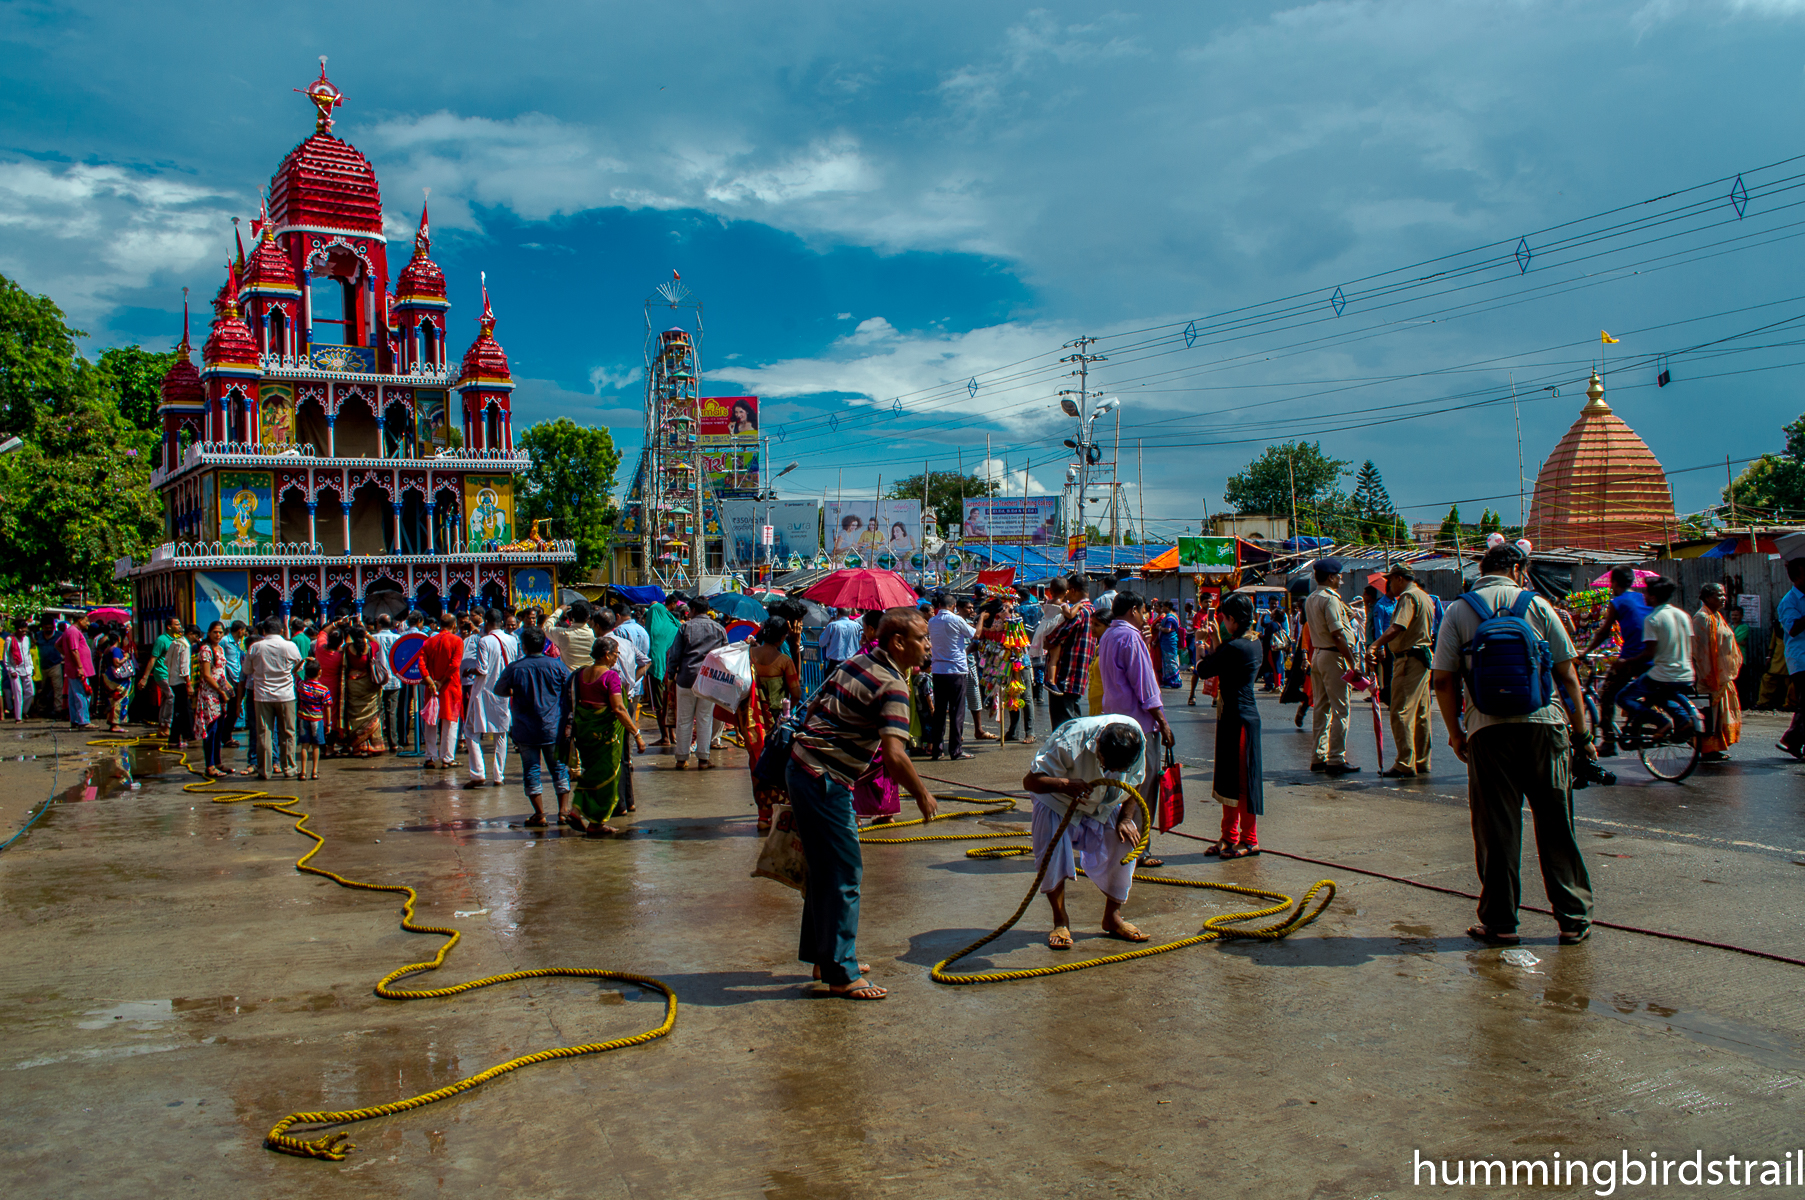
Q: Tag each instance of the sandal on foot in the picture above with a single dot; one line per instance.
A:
(1480, 933)
(1127, 933)
(1217, 849)
(863, 991)
(1060, 939)
(1150, 861)
(1573, 937)
(599, 830)
(536, 821)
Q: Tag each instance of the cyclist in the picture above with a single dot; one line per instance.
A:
(1668, 633)
(1626, 613)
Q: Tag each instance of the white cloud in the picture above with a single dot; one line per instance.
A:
(90, 234)
(1012, 480)
(613, 378)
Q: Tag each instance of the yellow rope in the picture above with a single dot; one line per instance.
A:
(1213, 929)
(334, 1145)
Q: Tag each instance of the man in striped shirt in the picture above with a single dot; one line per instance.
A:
(861, 708)
(1069, 651)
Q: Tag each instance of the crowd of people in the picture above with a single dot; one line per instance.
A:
(566, 693)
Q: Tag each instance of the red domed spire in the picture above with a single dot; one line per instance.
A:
(230, 342)
(485, 361)
(324, 181)
(182, 382)
(268, 267)
(1602, 488)
(421, 279)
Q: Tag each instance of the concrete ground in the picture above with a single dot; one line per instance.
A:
(170, 986)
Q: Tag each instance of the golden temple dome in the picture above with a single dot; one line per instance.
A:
(1602, 488)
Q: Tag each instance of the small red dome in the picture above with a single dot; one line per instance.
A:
(421, 279)
(485, 360)
(182, 383)
(324, 181)
(268, 267)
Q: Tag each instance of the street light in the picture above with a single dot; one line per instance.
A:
(1067, 407)
(788, 469)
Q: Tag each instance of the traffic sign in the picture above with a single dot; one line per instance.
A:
(404, 657)
(769, 534)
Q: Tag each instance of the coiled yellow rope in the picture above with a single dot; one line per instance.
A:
(335, 1145)
(1214, 929)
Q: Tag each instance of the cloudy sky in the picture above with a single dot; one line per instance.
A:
(883, 205)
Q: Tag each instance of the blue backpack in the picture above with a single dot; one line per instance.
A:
(1509, 667)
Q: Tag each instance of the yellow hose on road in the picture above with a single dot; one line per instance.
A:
(1214, 929)
(335, 1145)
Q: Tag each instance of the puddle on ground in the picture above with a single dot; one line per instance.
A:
(129, 1014)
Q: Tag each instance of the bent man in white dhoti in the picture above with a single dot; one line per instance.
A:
(485, 712)
(1104, 829)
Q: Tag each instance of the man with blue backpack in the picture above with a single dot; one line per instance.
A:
(1506, 648)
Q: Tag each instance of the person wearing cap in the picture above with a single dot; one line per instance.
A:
(1410, 641)
(1517, 760)
(1332, 637)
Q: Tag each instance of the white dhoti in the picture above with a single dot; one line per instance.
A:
(1089, 841)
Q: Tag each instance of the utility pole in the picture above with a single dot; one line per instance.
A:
(1080, 399)
(1522, 517)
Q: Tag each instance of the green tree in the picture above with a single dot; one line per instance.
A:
(571, 482)
(1449, 535)
(945, 489)
(39, 363)
(1372, 506)
(1490, 523)
(1773, 486)
(1300, 469)
(133, 377)
(75, 497)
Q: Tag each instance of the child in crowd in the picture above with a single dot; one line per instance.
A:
(313, 702)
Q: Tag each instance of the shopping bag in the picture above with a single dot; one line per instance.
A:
(781, 856)
(429, 712)
(726, 675)
(1171, 806)
(875, 794)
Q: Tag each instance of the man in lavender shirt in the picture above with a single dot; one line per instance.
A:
(1130, 686)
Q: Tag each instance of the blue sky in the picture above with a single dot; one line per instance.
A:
(886, 202)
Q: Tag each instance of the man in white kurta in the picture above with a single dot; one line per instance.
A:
(487, 713)
(1104, 831)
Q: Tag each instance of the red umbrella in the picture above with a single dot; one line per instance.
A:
(862, 588)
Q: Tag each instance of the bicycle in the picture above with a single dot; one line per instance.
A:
(1669, 753)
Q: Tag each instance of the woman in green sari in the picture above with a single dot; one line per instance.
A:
(599, 726)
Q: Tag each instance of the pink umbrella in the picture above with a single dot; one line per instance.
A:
(109, 614)
(1642, 577)
(862, 588)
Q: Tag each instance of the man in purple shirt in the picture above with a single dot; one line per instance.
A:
(1130, 686)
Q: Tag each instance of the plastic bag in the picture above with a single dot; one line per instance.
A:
(875, 794)
(1170, 810)
(726, 675)
(781, 856)
(429, 712)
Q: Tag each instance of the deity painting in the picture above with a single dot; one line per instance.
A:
(276, 415)
(223, 596)
(533, 585)
(246, 512)
(432, 433)
(489, 501)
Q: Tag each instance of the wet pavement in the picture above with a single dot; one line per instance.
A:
(171, 986)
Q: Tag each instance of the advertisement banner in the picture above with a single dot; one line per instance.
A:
(223, 596)
(731, 469)
(489, 499)
(1017, 522)
(246, 514)
(728, 420)
(795, 529)
(872, 528)
(1206, 555)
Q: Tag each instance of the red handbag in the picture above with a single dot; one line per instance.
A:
(1170, 810)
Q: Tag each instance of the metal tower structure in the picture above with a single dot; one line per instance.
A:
(670, 477)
